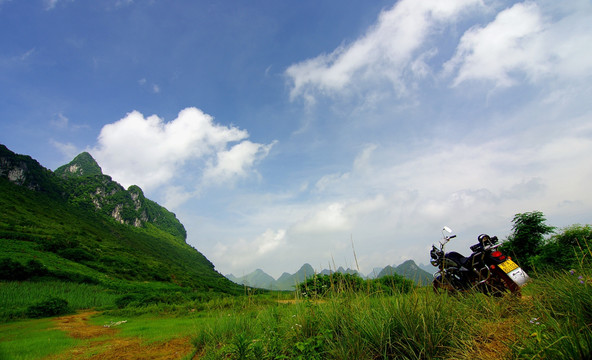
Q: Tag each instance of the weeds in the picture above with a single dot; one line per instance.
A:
(562, 323)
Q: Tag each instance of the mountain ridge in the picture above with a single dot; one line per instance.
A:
(408, 269)
(91, 188)
(81, 226)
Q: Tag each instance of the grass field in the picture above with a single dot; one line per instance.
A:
(551, 320)
(15, 297)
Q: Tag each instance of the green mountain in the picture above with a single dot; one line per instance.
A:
(289, 281)
(82, 165)
(79, 225)
(88, 187)
(260, 279)
(257, 279)
(409, 270)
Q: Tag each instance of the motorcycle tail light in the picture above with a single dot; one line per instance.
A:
(496, 254)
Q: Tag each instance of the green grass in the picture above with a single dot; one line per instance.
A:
(560, 317)
(15, 297)
(33, 339)
(77, 244)
(414, 326)
(551, 320)
(152, 328)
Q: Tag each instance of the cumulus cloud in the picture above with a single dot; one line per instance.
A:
(536, 40)
(385, 51)
(245, 253)
(523, 40)
(150, 152)
(235, 162)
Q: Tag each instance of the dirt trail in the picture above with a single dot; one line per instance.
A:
(104, 343)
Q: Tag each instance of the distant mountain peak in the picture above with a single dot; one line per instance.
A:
(82, 165)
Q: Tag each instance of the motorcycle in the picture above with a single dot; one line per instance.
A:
(486, 270)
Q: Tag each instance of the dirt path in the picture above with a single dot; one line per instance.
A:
(104, 343)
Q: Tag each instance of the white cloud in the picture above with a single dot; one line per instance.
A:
(150, 152)
(329, 218)
(69, 150)
(235, 162)
(523, 39)
(394, 208)
(51, 4)
(384, 52)
(245, 254)
(60, 121)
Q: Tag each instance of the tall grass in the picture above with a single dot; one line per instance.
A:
(552, 320)
(560, 311)
(419, 325)
(15, 297)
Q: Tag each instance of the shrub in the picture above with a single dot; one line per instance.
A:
(568, 249)
(75, 254)
(127, 299)
(323, 285)
(56, 244)
(73, 277)
(35, 268)
(396, 284)
(50, 307)
(12, 270)
(15, 271)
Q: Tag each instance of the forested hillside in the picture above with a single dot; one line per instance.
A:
(86, 228)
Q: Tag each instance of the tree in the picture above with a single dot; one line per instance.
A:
(571, 248)
(527, 238)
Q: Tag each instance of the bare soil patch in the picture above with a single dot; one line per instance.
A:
(105, 343)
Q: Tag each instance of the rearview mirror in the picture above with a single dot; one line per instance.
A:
(447, 229)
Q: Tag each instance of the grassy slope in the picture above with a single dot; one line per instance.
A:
(33, 223)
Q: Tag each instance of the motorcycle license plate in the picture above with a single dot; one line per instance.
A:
(508, 265)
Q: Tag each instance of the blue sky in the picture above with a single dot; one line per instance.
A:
(281, 133)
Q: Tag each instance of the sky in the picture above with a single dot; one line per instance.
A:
(335, 133)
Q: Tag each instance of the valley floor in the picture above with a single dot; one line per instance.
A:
(104, 342)
(551, 320)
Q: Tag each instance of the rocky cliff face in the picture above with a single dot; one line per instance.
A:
(25, 171)
(128, 207)
(82, 183)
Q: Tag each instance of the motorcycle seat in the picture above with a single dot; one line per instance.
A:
(457, 258)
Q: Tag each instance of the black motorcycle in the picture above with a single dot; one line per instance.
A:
(486, 269)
